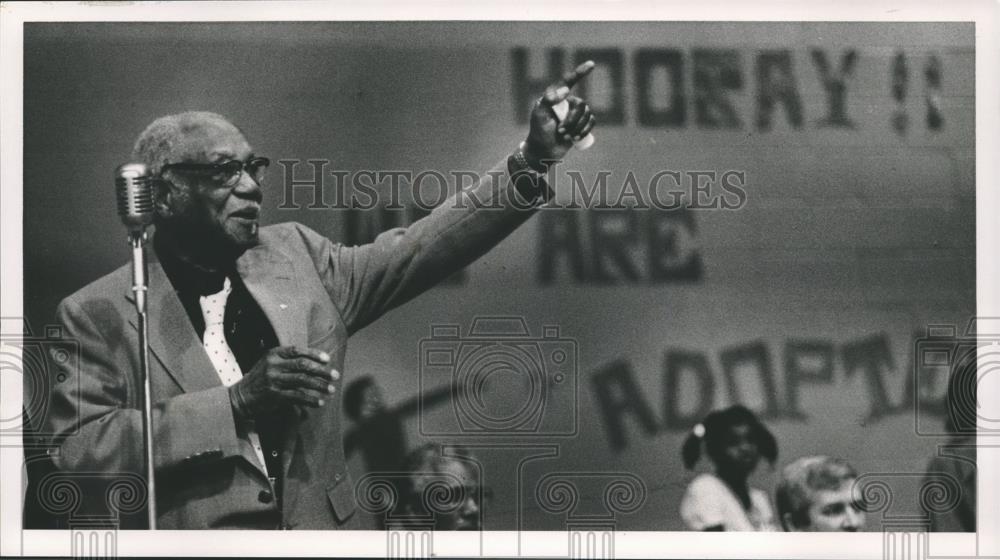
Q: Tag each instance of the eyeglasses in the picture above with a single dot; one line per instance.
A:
(225, 174)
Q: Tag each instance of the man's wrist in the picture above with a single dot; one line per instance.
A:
(529, 160)
(530, 184)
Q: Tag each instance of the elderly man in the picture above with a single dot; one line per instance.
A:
(248, 326)
(818, 494)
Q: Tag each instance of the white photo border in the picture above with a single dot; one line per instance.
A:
(985, 14)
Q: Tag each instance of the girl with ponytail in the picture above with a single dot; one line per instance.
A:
(734, 441)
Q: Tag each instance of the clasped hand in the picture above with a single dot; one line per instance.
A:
(286, 375)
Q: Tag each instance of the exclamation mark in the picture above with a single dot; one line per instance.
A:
(932, 91)
(900, 79)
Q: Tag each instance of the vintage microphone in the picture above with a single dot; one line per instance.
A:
(134, 191)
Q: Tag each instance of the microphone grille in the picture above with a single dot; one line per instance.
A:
(134, 194)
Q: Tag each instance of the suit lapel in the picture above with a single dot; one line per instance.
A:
(172, 338)
(270, 278)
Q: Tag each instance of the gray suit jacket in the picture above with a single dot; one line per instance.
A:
(315, 293)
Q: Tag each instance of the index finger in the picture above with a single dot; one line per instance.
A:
(558, 93)
(571, 78)
(292, 352)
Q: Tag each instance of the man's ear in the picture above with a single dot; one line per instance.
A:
(163, 198)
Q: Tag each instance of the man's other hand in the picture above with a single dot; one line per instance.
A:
(287, 375)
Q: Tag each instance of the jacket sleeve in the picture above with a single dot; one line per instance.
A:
(94, 422)
(367, 281)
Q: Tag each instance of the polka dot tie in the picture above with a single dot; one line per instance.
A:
(213, 309)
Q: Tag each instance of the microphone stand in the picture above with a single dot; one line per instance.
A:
(137, 240)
